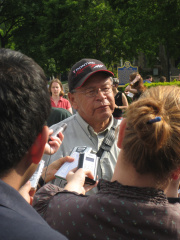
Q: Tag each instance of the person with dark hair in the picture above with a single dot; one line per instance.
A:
(121, 102)
(57, 93)
(133, 205)
(91, 95)
(148, 79)
(162, 79)
(23, 92)
(136, 86)
(57, 115)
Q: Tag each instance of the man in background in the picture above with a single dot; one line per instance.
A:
(148, 79)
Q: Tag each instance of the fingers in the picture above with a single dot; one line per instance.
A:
(26, 187)
(62, 160)
(50, 131)
(79, 174)
(54, 167)
(71, 173)
(89, 174)
(32, 192)
(88, 187)
(25, 191)
(61, 136)
(52, 146)
(55, 140)
(55, 143)
(31, 195)
(76, 181)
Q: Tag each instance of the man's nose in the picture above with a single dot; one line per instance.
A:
(100, 94)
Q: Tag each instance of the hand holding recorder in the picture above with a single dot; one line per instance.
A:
(50, 148)
(50, 171)
(29, 189)
(76, 181)
(55, 139)
(26, 192)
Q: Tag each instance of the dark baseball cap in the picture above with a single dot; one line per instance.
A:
(83, 69)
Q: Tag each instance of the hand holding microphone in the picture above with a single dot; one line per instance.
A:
(55, 139)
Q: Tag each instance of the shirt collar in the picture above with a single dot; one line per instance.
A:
(131, 192)
(60, 99)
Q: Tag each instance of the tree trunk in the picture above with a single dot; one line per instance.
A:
(164, 61)
(2, 42)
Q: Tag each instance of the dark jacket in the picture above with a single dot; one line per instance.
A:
(18, 220)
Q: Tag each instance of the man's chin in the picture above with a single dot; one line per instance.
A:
(104, 116)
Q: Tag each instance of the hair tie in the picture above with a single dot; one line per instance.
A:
(156, 119)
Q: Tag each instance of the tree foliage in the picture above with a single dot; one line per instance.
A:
(79, 29)
(14, 16)
(57, 33)
(150, 26)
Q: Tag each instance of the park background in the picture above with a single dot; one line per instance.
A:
(57, 33)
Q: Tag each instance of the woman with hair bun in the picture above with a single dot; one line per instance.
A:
(133, 205)
(57, 93)
(151, 140)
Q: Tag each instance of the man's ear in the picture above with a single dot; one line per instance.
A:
(72, 100)
(121, 133)
(37, 149)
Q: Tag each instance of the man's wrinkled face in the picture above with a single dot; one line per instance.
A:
(94, 101)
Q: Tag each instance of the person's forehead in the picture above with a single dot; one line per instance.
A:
(55, 84)
(97, 80)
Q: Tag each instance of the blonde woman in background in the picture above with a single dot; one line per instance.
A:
(57, 93)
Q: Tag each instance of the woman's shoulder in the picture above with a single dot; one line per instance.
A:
(119, 94)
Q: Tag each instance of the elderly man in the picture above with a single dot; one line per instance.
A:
(93, 126)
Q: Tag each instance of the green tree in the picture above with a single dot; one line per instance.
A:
(151, 26)
(15, 15)
(79, 29)
(58, 33)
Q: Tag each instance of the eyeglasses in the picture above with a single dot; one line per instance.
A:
(92, 92)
